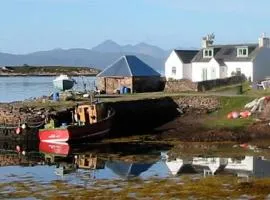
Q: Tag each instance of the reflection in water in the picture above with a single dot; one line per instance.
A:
(246, 166)
(77, 163)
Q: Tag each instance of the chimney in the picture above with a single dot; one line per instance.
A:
(208, 40)
(264, 41)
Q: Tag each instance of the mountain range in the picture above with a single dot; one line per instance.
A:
(99, 56)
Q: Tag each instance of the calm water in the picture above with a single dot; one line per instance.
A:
(20, 88)
(81, 163)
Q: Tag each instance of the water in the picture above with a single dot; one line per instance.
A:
(80, 163)
(20, 88)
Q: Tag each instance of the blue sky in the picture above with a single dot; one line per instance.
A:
(32, 25)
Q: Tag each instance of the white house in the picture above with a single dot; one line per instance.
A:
(249, 166)
(178, 65)
(222, 61)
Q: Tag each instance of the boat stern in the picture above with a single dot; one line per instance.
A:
(53, 135)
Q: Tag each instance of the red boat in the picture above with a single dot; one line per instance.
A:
(61, 149)
(90, 121)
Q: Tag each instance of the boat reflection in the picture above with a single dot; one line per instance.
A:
(113, 161)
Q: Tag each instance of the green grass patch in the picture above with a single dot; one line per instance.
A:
(219, 119)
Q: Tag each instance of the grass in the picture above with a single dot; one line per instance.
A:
(219, 119)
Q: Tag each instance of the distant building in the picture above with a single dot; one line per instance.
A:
(178, 65)
(221, 61)
(130, 72)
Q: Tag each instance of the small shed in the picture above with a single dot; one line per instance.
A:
(129, 72)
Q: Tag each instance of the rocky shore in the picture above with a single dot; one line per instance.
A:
(181, 118)
(47, 71)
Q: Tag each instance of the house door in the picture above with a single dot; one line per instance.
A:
(204, 74)
(223, 72)
(213, 73)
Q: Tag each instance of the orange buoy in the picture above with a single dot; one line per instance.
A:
(229, 116)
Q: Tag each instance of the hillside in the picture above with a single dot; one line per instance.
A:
(98, 57)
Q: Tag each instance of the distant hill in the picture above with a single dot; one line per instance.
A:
(99, 57)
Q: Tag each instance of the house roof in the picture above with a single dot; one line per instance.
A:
(128, 66)
(126, 170)
(223, 53)
(186, 55)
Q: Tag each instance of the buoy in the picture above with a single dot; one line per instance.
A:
(18, 148)
(24, 126)
(229, 116)
(18, 130)
(235, 115)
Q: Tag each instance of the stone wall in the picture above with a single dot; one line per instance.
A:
(140, 116)
(187, 85)
(136, 84)
(208, 85)
(110, 84)
(182, 85)
(197, 104)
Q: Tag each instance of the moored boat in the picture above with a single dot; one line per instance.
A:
(91, 121)
(63, 82)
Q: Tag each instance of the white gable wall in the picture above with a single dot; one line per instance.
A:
(245, 67)
(173, 61)
(187, 71)
(211, 68)
(262, 64)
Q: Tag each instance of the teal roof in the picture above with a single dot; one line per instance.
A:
(128, 66)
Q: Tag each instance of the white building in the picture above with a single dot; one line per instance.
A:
(178, 65)
(249, 166)
(221, 61)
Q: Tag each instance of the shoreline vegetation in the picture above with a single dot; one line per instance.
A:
(27, 70)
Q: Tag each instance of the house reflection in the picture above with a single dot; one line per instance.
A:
(246, 166)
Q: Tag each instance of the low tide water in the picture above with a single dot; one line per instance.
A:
(20, 88)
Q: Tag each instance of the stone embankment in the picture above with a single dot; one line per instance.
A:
(132, 117)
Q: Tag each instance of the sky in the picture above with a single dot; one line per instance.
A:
(33, 25)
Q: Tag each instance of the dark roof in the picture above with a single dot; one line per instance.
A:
(223, 53)
(128, 66)
(186, 55)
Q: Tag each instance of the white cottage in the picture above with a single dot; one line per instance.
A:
(222, 61)
(178, 65)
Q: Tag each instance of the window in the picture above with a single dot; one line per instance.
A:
(173, 71)
(208, 53)
(242, 52)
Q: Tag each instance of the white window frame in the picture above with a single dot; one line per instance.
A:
(174, 71)
(208, 53)
(241, 50)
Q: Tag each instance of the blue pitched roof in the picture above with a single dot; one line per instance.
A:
(128, 66)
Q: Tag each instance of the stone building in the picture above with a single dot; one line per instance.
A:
(130, 72)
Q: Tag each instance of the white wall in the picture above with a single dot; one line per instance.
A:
(213, 70)
(262, 64)
(212, 163)
(173, 61)
(246, 68)
(187, 71)
(246, 164)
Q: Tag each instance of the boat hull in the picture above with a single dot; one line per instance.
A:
(70, 133)
(63, 84)
(61, 149)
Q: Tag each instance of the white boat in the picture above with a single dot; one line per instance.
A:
(63, 82)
